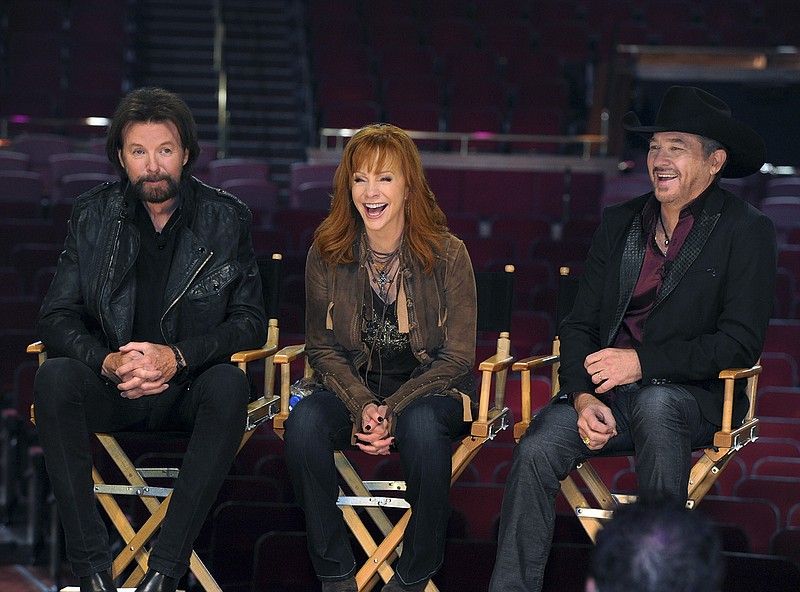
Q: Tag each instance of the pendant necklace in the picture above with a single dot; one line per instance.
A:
(380, 265)
(663, 229)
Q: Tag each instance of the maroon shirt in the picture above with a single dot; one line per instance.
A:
(654, 270)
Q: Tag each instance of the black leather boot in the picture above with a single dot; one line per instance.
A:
(99, 582)
(156, 582)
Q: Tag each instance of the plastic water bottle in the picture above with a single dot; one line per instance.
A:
(296, 392)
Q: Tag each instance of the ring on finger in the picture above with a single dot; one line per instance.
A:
(586, 440)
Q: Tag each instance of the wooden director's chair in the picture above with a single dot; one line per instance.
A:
(258, 411)
(706, 469)
(494, 293)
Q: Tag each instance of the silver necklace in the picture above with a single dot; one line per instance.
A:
(380, 266)
(663, 229)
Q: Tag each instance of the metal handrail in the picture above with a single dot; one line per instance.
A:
(464, 139)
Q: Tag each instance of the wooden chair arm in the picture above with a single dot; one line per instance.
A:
(737, 373)
(284, 359)
(493, 365)
(535, 362)
(250, 355)
(525, 366)
(290, 353)
(496, 363)
(723, 437)
(37, 347)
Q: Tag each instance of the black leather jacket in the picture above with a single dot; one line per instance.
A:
(213, 305)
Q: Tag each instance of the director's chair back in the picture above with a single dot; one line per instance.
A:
(156, 499)
(593, 512)
(494, 295)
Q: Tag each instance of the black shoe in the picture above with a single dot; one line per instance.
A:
(394, 585)
(99, 582)
(156, 582)
(348, 585)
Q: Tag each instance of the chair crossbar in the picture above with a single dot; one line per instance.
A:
(133, 490)
(382, 502)
(385, 485)
(158, 473)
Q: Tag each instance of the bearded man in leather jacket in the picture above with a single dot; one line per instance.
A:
(156, 287)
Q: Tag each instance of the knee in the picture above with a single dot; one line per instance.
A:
(419, 423)
(306, 417)
(54, 383)
(657, 403)
(227, 389)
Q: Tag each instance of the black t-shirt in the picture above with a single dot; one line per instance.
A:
(152, 269)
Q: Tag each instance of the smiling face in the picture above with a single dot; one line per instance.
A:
(679, 169)
(379, 191)
(153, 159)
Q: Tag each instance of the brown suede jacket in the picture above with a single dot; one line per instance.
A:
(438, 311)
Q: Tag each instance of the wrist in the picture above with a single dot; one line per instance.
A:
(180, 363)
(578, 400)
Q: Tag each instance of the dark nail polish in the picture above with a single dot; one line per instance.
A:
(380, 419)
(367, 428)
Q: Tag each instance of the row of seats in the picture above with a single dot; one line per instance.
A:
(517, 68)
(596, 25)
(63, 59)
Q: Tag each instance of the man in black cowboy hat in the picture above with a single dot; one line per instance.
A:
(678, 285)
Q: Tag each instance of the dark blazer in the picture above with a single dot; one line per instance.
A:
(712, 311)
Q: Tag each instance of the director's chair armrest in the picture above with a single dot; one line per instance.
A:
(242, 358)
(493, 371)
(38, 348)
(525, 367)
(284, 359)
(728, 436)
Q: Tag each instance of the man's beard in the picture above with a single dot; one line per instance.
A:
(156, 194)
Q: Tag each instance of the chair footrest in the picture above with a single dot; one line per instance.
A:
(262, 410)
(371, 502)
(157, 473)
(594, 513)
(385, 485)
(133, 490)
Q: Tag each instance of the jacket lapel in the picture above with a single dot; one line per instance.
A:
(630, 267)
(698, 235)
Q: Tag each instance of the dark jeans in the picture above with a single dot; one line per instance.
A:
(662, 423)
(72, 402)
(424, 432)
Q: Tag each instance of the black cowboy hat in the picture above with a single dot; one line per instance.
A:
(694, 111)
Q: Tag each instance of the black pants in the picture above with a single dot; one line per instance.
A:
(72, 402)
(424, 432)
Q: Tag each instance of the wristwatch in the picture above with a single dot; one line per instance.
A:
(180, 365)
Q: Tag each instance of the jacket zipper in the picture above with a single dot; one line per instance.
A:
(114, 248)
(182, 292)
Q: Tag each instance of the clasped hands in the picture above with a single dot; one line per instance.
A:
(140, 369)
(374, 436)
(609, 367)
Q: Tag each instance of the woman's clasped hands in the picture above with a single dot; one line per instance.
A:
(374, 436)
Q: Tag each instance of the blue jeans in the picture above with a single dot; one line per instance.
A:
(661, 423)
(424, 431)
(72, 402)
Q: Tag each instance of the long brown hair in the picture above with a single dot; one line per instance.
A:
(425, 223)
(152, 105)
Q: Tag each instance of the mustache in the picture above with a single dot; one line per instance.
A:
(152, 179)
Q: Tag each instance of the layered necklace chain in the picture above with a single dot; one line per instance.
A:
(382, 270)
(664, 230)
